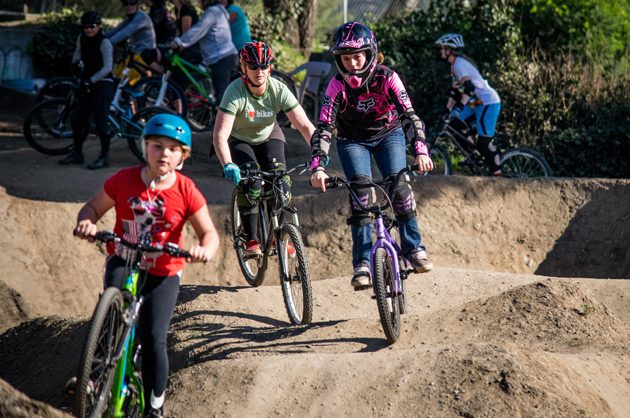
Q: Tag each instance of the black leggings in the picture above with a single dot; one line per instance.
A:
(269, 156)
(160, 297)
(96, 102)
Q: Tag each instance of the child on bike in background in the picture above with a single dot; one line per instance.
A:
(247, 135)
(471, 95)
(368, 105)
(96, 56)
(152, 204)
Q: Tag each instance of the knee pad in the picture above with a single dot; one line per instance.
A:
(403, 200)
(268, 192)
(359, 217)
(248, 194)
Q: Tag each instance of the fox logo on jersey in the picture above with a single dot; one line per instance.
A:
(366, 105)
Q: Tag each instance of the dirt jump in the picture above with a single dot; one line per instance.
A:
(526, 314)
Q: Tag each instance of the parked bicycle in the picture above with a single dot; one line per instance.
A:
(518, 162)
(195, 101)
(109, 382)
(389, 268)
(280, 236)
(47, 126)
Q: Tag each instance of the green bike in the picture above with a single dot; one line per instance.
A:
(198, 102)
(108, 382)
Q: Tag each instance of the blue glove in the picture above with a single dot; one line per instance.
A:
(232, 172)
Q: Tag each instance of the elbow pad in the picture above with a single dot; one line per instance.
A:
(320, 143)
(469, 88)
(413, 128)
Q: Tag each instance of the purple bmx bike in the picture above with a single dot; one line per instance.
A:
(388, 266)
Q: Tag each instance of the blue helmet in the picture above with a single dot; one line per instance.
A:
(169, 126)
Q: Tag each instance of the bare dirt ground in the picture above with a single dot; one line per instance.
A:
(526, 314)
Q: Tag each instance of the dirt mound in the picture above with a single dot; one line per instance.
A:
(17, 405)
(554, 315)
(485, 335)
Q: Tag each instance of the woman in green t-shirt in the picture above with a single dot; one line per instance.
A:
(247, 135)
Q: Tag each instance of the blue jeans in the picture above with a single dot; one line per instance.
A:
(389, 153)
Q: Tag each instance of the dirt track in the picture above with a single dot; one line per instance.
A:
(526, 314)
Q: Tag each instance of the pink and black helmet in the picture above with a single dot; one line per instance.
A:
(350, 38)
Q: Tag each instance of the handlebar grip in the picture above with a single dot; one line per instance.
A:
(105, 236)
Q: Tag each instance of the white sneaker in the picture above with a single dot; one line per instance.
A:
(420, 261)
(361, 279)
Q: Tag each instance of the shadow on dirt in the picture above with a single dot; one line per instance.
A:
(597, 238)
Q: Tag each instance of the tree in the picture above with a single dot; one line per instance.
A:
(298, 17)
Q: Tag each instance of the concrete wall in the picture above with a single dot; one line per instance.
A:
(15, 60)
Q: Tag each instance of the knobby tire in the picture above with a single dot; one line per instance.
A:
(295, 276)
(386, 299)
(251, 268)
(524, 163)
(47, 127)
(96, 371)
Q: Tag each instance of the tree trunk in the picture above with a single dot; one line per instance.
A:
(299, 20)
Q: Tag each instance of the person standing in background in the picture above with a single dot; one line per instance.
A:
(238, 24)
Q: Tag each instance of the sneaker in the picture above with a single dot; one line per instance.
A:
(154, 413)
(100, 162)
(72, 159)
(497, 173)
(420, 261)
(361, 279)
(252, 248)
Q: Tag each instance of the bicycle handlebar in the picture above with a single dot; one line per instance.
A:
(270, 175)
(336, 182)
(170, 248)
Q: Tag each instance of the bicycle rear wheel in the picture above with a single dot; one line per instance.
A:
(201, 111)
(524, 163)
(174, 98)
(47, 127)
(385, 293)
(295, 276)
(253, 268)
(96, 368)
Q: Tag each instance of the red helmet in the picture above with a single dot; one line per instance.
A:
(257, 54)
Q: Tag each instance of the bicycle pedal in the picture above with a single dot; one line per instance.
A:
(359, 288)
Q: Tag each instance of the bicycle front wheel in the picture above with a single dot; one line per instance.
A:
(251, 266)
(56, 88)
(524, 163)
(441, 161)
(295, 276)
(96, 367)
(386, 298)
(47, 127)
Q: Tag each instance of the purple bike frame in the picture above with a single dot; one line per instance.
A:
(385, 240)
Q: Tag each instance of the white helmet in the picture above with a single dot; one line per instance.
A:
(453, 40)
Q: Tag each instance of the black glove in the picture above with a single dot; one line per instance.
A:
(85, 85)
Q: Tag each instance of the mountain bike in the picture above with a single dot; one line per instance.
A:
(47, 127)
(518, 162)
(109, 382)
(196, 102)
(278, 229)
(388, 266)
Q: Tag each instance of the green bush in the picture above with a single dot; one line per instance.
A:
(555, 96)
(52, 47)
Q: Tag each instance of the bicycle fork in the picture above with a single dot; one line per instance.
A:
(384, 240)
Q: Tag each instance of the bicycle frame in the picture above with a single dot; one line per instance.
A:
(183, 66)
(384, 240)
(124, 358)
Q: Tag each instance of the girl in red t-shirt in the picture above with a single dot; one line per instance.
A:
(153, 202)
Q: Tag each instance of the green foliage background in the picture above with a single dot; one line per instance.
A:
(560, 67)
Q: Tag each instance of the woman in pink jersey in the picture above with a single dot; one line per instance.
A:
(153, 203)
(368, 105)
